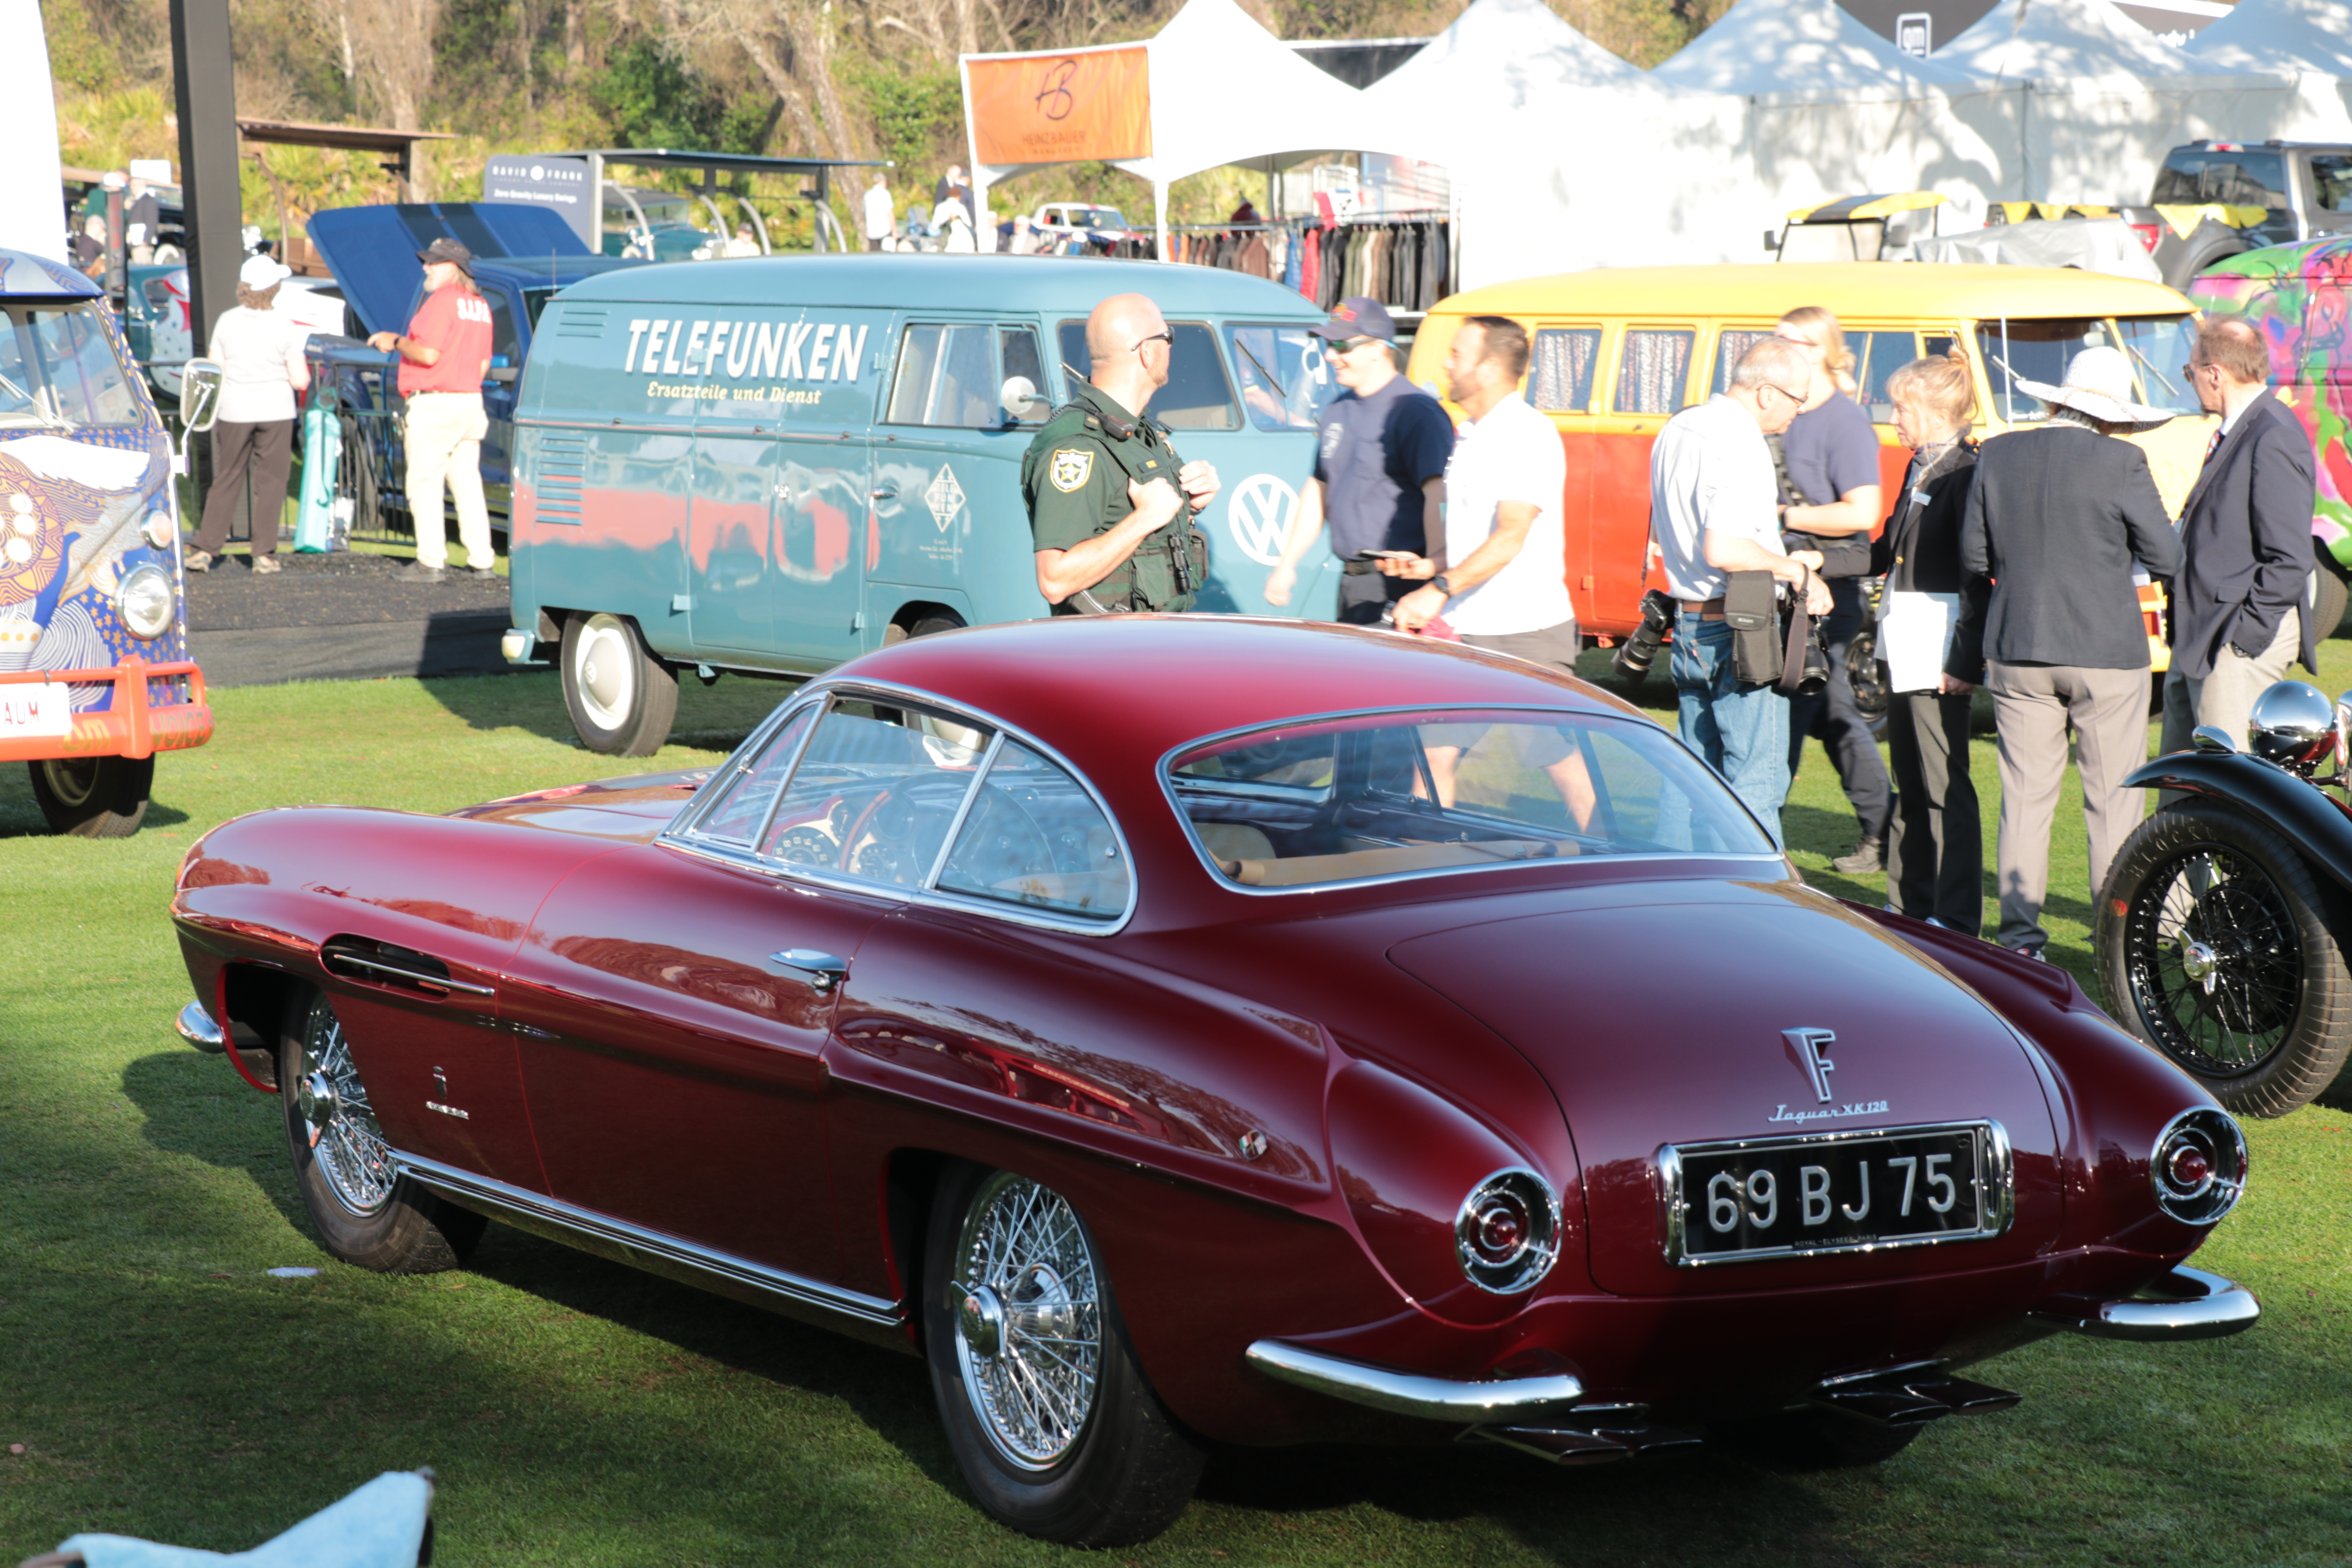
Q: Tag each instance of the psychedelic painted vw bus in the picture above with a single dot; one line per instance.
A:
(2300, 297)
(95, 676)
(774, 464)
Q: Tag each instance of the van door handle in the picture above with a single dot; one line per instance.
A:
(884, 492)
(824, 970)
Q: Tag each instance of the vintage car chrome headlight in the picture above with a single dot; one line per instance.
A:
(144, 601)
(2198, 1166)
(158, 529)
(1508, 1232)
(2291, 725)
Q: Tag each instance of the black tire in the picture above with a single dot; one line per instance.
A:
(623, 701)
(2222, 957)
(945, 621)
(93, 797)
(2196, 256)
(363, 1213)
(1799, 1440)
(1083, 1460)
(2328, 596)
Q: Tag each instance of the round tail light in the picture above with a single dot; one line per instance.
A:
(2198, 1166)
(1508, 1232)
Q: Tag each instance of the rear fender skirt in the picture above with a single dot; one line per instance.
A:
(2301, 810)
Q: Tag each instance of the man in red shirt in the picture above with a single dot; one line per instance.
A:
(443, 356)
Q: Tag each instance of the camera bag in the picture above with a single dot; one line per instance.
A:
(1750, 611)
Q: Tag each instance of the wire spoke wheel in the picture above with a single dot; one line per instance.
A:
(1029, 1322)
(346, 1144)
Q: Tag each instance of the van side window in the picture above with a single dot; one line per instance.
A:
(946, 376)
(2331, 182)
(1876, 357)
(1018, 347)
(1730, 345)
(1198, 396)
(1653, 370)
(1559, 370)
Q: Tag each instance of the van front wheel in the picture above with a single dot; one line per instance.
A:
(93, 797)
(622, 699)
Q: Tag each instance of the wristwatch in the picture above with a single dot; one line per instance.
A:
(1441, 585)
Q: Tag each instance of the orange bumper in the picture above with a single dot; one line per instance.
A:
(132, 726)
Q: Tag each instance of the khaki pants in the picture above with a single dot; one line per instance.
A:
(2030, 705)
(2225, 695)
(445, 441)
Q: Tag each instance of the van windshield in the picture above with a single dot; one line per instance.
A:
(59, 370)
(1286, 380)
(2021, 348)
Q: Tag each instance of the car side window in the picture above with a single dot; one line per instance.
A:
(1198, 397)
(1559, 373)
(2331, 182)
(1653, 370)
(875, 792)
(746, 794)
(1033, 838)
(946, 377)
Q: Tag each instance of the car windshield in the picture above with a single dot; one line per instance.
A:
(1374, 797)
(1091, 217)
(2023, 349)
(59, 370)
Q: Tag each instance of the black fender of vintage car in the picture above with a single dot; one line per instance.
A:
(2295, 807)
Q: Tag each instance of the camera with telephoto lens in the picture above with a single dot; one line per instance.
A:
(1638, 652)
(1813, 676)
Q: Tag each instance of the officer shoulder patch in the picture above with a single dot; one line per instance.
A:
(1071, 467)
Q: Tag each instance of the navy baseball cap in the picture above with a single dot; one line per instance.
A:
(1358, 317)
(447, 249)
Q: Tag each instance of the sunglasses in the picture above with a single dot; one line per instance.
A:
(1163, 336)
(1349, 345)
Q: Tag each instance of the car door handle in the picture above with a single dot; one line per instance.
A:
(884, 492)
(824, 970)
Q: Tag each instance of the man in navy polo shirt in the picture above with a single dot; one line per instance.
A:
(1380, 468)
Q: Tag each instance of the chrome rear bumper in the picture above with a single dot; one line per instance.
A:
(2186, 1304)
(1506, 1399)
(195, 1025)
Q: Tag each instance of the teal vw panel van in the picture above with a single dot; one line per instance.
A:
(773, 464)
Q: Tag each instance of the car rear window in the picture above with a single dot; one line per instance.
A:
(1378, 796)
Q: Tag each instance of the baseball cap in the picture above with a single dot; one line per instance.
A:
(1358, 317)
(261, 272)
(446, 250)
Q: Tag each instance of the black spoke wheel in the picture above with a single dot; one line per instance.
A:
(2215, 945)
(366, 1213)
(1049, 1417)
(93, 797)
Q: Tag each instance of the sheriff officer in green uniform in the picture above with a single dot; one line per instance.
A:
(1110, 503)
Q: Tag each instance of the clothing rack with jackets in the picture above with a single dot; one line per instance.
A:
(1405, 262)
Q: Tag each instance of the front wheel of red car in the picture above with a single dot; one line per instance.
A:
(1052, 1423)
(365, 1212)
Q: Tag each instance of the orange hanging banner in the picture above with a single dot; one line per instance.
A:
(1061, 108)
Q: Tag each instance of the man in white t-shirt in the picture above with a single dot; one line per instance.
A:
(1502, 583)
(881, 218)
(1714, 503)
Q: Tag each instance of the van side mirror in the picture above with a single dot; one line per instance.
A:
(1019, 399)
(199, 386)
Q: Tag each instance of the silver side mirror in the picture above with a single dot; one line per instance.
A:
(1019, 399)
(200, 387)
(2293, 725)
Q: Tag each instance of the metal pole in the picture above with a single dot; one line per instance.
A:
(204, 77)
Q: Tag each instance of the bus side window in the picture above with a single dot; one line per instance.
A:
(1559, 373)
(1878, 356)
(1730, 344)
(1018, 347)
(945, 378)
(1654, 371)
(1198, 396)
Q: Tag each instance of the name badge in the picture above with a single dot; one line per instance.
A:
(1918, 496)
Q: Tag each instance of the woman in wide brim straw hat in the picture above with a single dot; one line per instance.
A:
(2059, 519)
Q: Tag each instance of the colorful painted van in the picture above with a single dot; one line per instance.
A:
(2299, 296)
(95, 676)
(774, 464)
(1618, 353)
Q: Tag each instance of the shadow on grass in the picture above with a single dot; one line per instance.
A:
(710, 718)
(189, 1098)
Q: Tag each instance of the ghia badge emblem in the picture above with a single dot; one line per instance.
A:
(1809, 1049)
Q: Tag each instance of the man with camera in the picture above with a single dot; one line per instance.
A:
(1714, 510)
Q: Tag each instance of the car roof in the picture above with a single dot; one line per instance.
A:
(1855, 290)
(941, 281)
(26, 275)
(1115, 692)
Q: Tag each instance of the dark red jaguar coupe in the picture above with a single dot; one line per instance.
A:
(1191, 1028)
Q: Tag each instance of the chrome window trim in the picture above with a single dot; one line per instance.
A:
(682, 838)
(1996, 1197)
(690, 821)
(1169, 786)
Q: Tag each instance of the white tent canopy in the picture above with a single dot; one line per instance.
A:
(1501, 56)
(2279, 35)
(2027, 40)
(32, 211)
(1796, 47)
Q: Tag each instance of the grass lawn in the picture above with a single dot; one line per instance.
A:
(157, 1381)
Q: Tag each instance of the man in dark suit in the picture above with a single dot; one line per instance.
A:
(2239, 604)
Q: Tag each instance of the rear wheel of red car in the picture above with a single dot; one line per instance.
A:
(366, 1213)
(1052, 1423)
(2215, 945)
(1795, 1440)
(622, 699)
(93, 797)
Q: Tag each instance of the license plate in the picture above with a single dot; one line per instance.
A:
(36, 708)
(1750, 1198)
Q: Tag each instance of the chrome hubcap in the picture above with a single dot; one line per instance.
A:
(1029, 1322)
(606, 672)
(318, 1103)
(346, 1144)
(2201, 965)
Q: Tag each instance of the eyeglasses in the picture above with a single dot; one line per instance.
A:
(1796, 398)
(1162, 336)
(1349, 345)
(2192, 368)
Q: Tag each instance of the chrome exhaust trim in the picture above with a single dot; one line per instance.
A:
(1909, 1396)
(1596, 1435)
(195, 1025)
(1504, 1400)
(2185, 1304)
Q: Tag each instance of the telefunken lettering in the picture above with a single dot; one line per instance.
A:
(765, 350)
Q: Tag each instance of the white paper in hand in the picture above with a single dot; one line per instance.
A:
(1915, 637)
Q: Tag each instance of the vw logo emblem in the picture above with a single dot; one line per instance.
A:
(1259, 516)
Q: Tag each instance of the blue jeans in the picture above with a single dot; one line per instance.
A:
(1741, 731)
